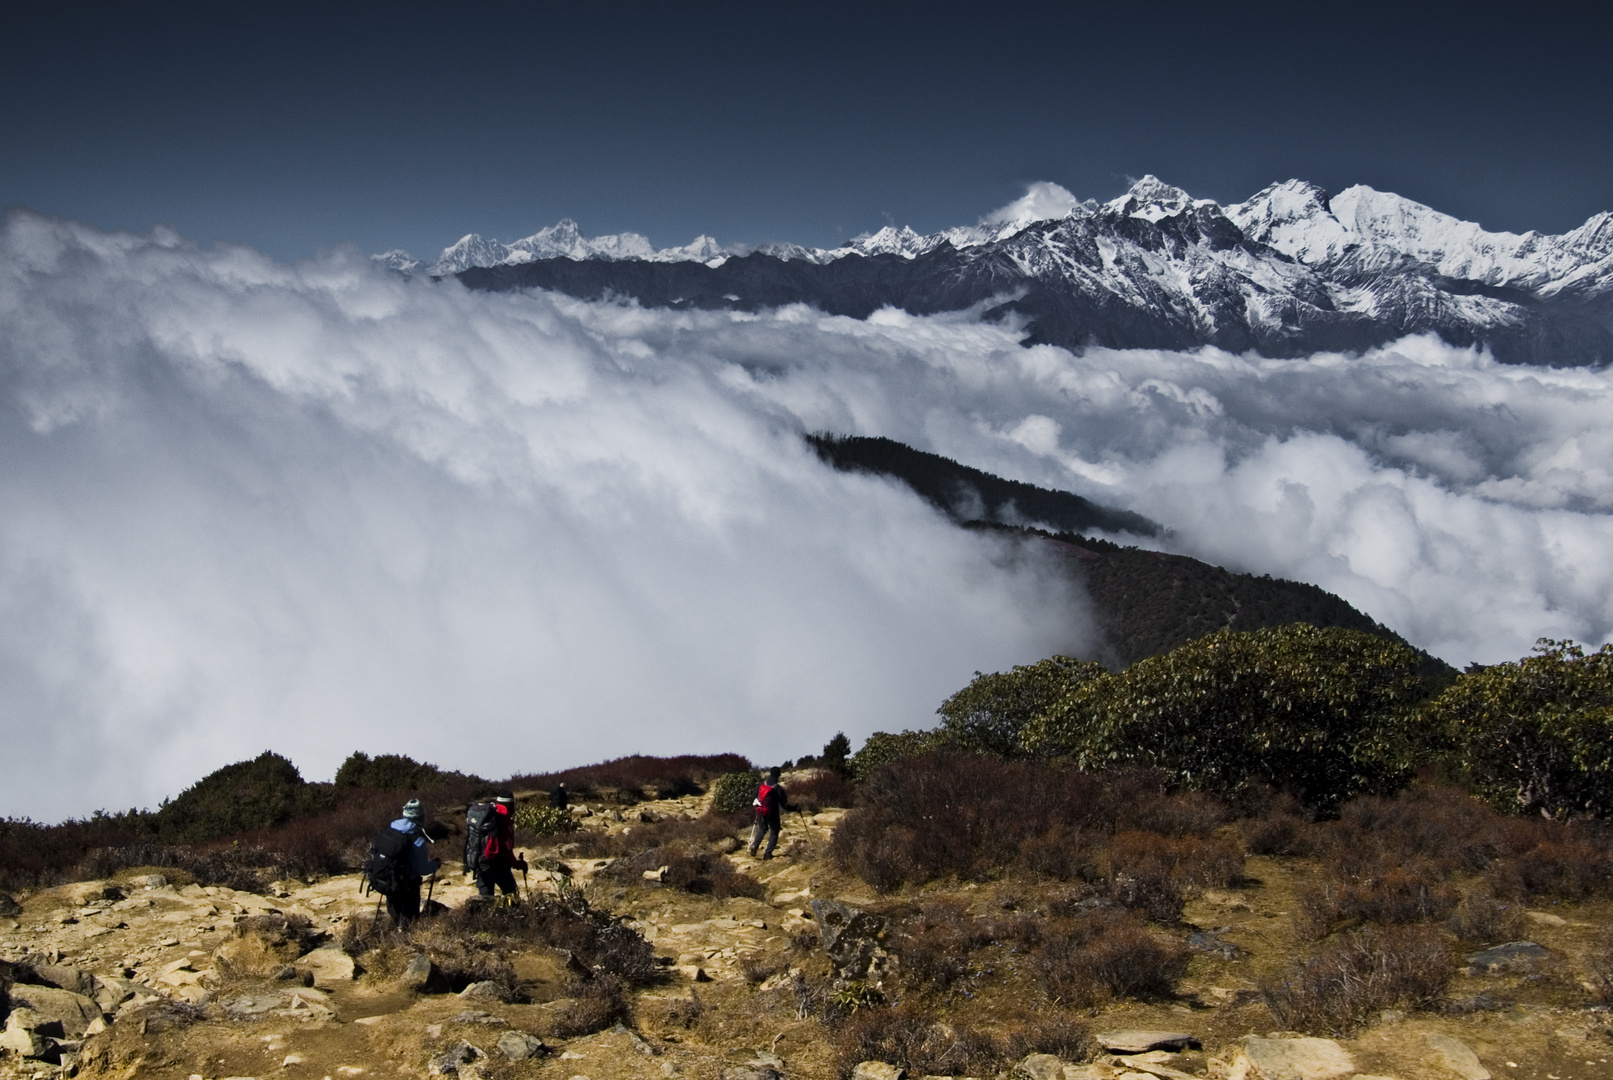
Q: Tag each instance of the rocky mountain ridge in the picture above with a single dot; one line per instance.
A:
(1289, 272)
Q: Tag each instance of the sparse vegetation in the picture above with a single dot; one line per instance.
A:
(1353, 977)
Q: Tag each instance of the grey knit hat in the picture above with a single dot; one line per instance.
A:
(412, 811)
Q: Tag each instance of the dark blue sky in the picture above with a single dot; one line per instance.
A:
(297, 129)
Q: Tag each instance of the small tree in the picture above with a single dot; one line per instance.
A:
(732, 792)
(1536, 735)
(835, 753)
(990, 714)
(1324, 714)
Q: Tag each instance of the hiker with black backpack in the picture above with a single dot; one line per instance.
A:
(771, 800)
(490, 845)
(398, 862)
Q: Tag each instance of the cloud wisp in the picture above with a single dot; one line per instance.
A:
(322, 508)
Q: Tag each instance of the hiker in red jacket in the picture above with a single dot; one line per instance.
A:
(771, 800)
(494, 861)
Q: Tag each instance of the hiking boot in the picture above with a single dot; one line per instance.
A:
(769, 855)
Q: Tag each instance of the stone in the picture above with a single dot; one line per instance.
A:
(877, 1070)
(1039, 1067)
(419, 972)
(1141, 1041)
(1457, 1057)
(477, 1016)
(1509, 957)
(1546, 918)
(1213, 943)
(21, 1042)
(73, 1011)
(849, 936)
(518, 1045)
(65, 977)
(149, 881)
(456, 1057)
(26, 1019)
(483, 991)
(1302, 1058)
(328, 966)
(9, 906)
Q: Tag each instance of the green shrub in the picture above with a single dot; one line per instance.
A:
(990, 714)
(733, 792)
(882, 748)
(1324, 714)
(835, 753)
(1536, 736)
(543, 820)
(257, 794)
(392, 772)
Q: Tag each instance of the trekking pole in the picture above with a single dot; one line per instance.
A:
(432, 887)
(524, 884)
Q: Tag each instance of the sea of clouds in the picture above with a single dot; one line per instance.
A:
(321, 507)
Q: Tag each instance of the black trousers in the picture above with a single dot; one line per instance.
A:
(769, 827)
(404, 905)
(489, 876)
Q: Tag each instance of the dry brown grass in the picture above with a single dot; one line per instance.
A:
(1340, 988)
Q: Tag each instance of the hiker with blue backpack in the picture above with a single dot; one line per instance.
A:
(771, 801)
(399, 860)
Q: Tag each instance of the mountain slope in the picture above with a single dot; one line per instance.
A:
(1290, 272)
(1145, 602)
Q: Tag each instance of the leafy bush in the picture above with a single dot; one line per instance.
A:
(990, 714)
(1351, 979)
(257, 794)
(1324, 714)
(543, 820)
(1536, 736)
(733, 792)
(883, 748)
(835, 753)
(394, 772)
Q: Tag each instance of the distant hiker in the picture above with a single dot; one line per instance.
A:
(397, 863)
(557, 797)
(490, 845)
(771, 800)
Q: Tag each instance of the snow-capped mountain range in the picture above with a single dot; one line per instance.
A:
(1291, 271)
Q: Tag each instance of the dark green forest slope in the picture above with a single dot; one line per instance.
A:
(1146, 602)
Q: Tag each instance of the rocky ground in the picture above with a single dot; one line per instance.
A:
(148, 975)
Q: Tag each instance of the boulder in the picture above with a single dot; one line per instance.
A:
(26, 1019)
(484, 991)
(1456, 1056)
(1302, 1058)
(456, 1057)
(22, 1042)
(65, 977)
(1512, 956)
(9, 908)
(518, 1045)
(877, 1070)
(418, 973)
(111, 991)
(1141, 1041)
(329, 966)
(73, 1011)
(850, 937)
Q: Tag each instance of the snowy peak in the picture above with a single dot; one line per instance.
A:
(562, 240)
(1152, 200)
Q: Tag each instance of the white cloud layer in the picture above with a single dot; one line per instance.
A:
(322, 508)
